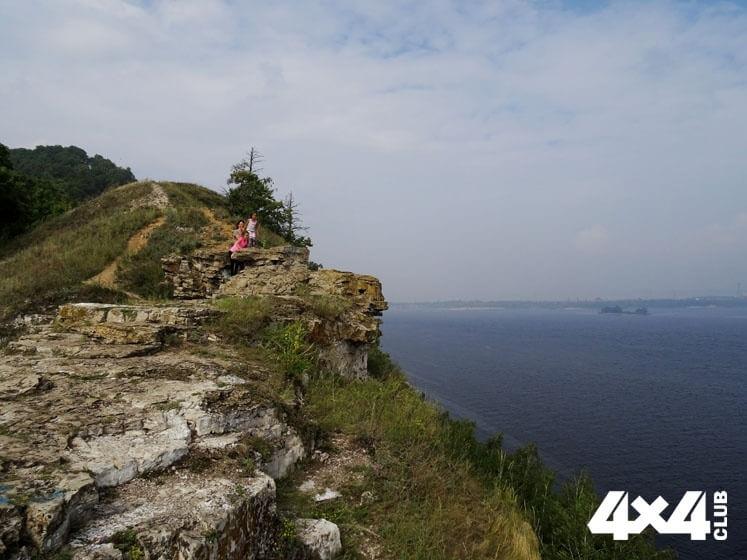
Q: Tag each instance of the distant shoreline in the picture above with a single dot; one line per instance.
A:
(478, 305)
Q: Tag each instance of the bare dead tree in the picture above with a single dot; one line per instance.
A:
(250, 163)
(293, 227)
(254, 158)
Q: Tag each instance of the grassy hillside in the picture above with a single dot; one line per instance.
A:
(50, 264)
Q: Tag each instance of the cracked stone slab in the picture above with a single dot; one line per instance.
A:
(186, 516)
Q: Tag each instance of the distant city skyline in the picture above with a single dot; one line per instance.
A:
(545, 150)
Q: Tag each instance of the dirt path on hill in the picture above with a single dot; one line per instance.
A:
(218, 233)
(157, 197)
(108, 277)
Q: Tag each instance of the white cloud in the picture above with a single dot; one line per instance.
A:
(510, 124)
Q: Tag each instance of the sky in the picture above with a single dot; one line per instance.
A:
(500, 150)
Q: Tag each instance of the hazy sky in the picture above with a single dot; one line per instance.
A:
(487, 150)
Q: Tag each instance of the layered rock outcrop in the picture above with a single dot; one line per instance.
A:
(283, 272)
(89, 405)
(132, 431)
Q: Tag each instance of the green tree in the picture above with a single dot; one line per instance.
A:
(24, 200)
(250, 193)
(71, 170)
(5, 157)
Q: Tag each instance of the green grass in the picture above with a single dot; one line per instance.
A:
(126, 542)
(184, 195)
(242, 318)
(288, 345)
(328, 306)
(431, 504)
(110, 203)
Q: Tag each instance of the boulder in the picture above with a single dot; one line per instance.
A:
(320, 536)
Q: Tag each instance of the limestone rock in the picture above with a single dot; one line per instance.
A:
(116, 459)
(363, 290)
(282, 273)
(48, 520)
(277, 271)
(107, 393)
(83, 421)
(327, 495)
(186, 517)
(14, 384)
(322, 537)
(130, 324)
(198, 275)
(289, 453)
(285, 255)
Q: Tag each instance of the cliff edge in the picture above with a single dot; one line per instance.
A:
(184, 413)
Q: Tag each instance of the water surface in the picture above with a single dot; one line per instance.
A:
(654, 405)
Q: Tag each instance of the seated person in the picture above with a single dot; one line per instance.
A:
(240, 243)
(239, 228)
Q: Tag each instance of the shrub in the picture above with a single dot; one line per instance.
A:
(379, 362)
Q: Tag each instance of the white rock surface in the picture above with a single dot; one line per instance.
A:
(327, 495)
(114, 460)
(320, 536)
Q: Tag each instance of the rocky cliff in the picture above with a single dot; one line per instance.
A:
(138, 431)
(283, 273)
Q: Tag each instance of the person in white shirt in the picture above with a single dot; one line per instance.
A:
(252, 226)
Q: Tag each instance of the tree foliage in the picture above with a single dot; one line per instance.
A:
(48, 180)
(250, 193)
(71, 169)
(253, 194)
(25, 201)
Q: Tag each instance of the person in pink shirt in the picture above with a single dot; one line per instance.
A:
(240, 243)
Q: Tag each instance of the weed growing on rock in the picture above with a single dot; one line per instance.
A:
(126, 542)
(288, 541)
(289, 345)
(328, 306)
(211, 535)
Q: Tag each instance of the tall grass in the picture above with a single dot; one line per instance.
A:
(328, 306)
(109, 203)
(432, 504)
(185, 195)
